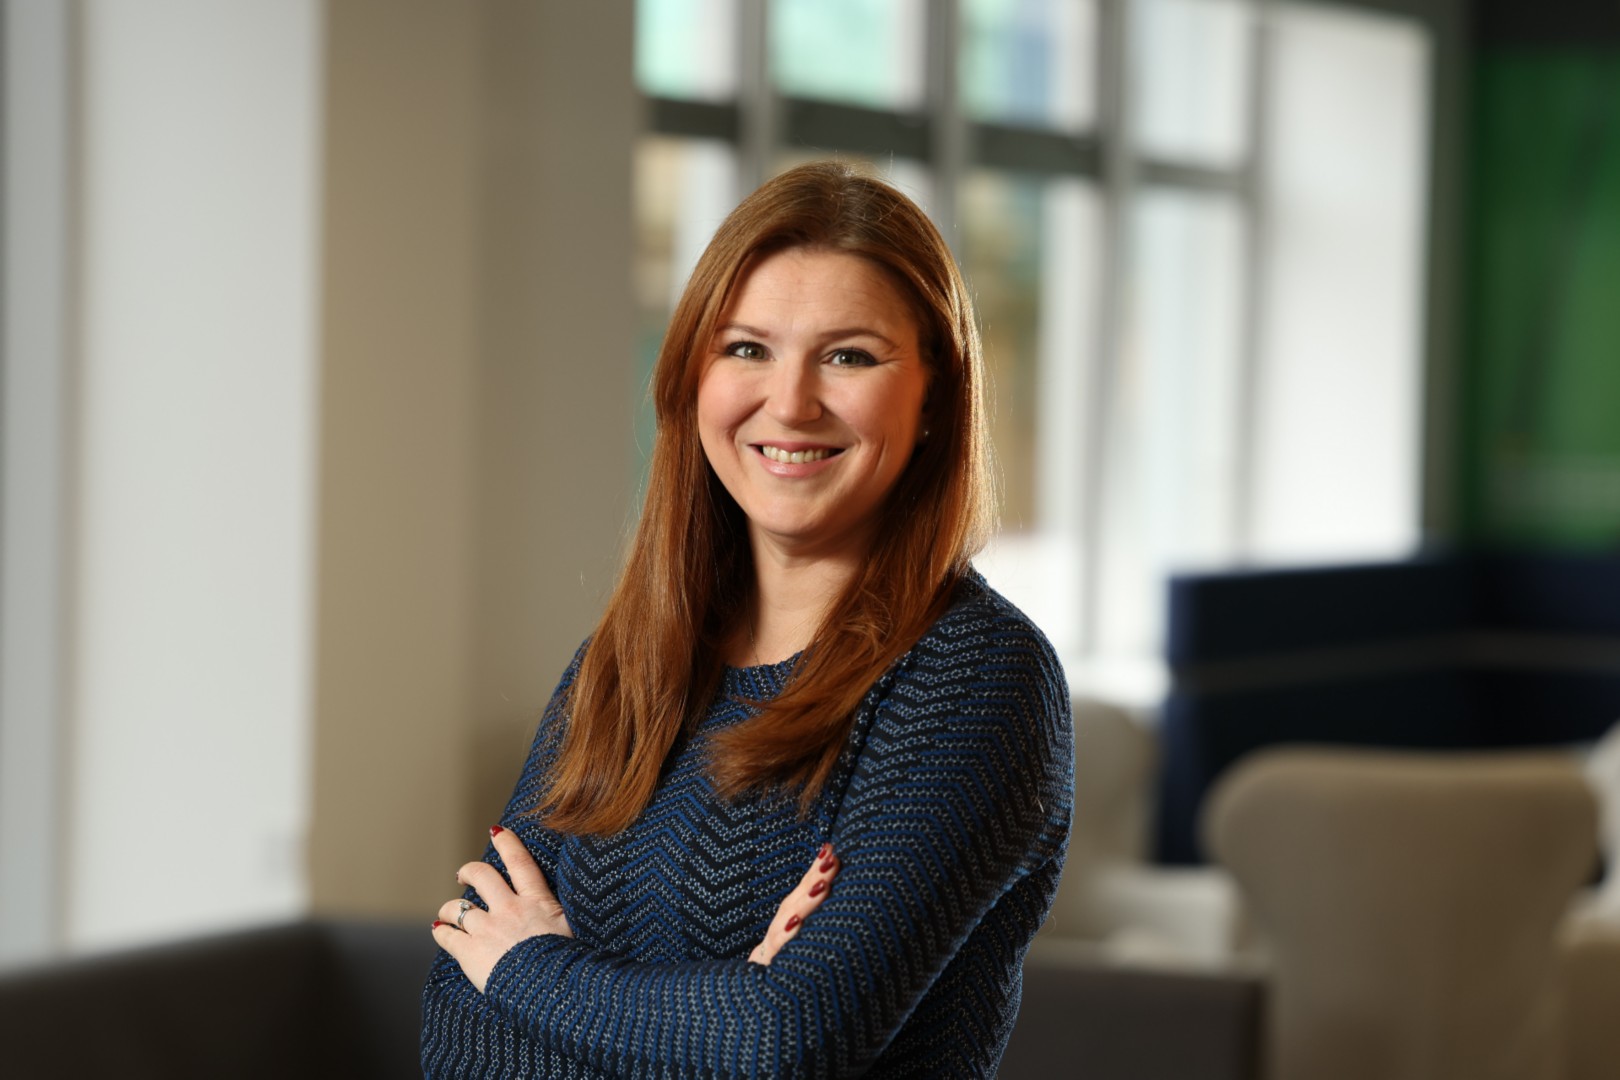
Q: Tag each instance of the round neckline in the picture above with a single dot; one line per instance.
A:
(763, 667)
(757, 680)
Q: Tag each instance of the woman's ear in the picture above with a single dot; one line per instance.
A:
(925, 419)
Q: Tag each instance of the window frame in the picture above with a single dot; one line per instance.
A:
(761, 121)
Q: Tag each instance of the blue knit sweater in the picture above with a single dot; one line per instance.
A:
(949, 813)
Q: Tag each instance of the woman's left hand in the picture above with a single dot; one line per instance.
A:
(517, 912)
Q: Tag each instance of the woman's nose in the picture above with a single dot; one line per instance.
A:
(794, 394)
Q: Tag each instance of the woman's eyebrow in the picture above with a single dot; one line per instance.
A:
(859, 331)
(741, 328)
(830, 335)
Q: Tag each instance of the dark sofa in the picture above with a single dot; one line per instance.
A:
(307, 1000)
(337, 999)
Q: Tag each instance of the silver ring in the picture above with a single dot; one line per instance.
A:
(465, 906)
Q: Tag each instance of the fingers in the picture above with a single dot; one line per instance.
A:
(527, 901)
(448, 937)
(527, 880)
(812, 889)
(525, 875)
(478, 934)
(485, 880)
(798, 905)
(450, 914)
(807, 896)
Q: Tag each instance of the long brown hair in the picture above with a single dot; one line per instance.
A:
(656, 658)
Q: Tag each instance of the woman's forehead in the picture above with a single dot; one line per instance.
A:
(822, 285)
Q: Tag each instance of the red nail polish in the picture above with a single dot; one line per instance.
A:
(792, 923)
(826, 866)
(818, 888)
(495, 830)
(437, 923)
(826, 850)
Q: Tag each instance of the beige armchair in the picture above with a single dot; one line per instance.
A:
(1111, 895)
(1411, 904)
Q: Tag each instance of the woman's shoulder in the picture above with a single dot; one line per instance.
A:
(571, 672)
(985, 684)
(554, 718)
(983, 642)
(980, 622)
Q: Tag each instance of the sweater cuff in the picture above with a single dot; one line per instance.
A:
(526, 983)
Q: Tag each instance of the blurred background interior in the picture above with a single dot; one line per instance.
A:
(327, 327)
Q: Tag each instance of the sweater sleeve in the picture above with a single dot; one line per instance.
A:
(449, 999)
(961, 788)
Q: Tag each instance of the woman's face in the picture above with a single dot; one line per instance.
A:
(812, 399)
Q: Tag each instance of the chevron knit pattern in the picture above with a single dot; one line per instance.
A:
(949, 814)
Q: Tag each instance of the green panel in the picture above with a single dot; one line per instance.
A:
(1541, 460)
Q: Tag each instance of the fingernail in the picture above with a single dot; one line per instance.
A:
(818, 888)
(437, 923)
(495, 830)
(826, 850)
(826, 866)
(792, 923)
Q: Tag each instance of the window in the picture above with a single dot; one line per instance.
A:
(1194, 231)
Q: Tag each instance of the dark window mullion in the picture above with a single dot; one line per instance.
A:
(827, 125)
(1031, 150)
(692, 119)
(1159, 173)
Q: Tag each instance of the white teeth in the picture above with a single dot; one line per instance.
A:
(793, 457)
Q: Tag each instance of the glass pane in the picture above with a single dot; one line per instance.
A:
(687, 48)
(1339, 435)
(1031, 62)
(683, 189)
(1029, 254)
(1169, 486)
(1001, 256)
(861, 52)
(1190, 77)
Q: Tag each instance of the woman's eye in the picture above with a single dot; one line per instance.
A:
(851, 358)
(747, 350)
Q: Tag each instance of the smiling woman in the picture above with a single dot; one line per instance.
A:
(812, 405)
(798, 666)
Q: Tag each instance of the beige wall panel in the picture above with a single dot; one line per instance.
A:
(557, 389)
(396, 500)
(478, 407)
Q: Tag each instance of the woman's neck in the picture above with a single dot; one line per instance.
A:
(790, 600)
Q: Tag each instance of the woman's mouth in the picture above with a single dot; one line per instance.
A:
(796, 457)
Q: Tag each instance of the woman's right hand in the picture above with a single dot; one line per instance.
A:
(811, 890)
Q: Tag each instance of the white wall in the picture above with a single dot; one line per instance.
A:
(302, 648)
(190, 652)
